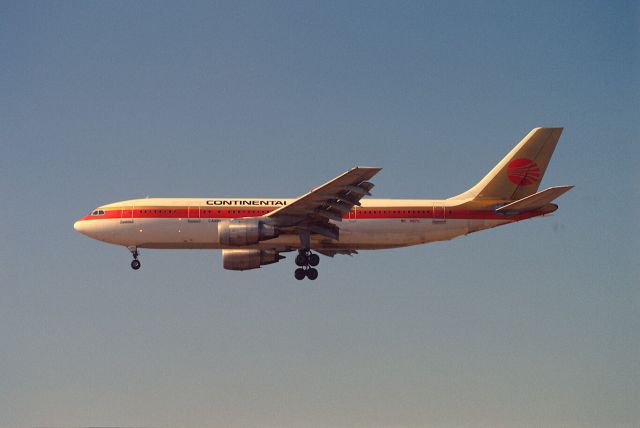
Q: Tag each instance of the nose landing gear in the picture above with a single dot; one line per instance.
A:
(135, 263)
(306, 259)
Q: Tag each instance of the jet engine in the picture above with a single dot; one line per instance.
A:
(248, 259)
(239, 232)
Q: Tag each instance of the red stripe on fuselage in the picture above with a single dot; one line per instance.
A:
(360, 214)
(174, 212)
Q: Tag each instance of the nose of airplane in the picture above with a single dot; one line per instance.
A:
(78, 226)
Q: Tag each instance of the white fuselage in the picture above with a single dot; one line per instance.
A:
(193, 223)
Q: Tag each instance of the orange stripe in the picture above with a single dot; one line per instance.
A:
(369, 213)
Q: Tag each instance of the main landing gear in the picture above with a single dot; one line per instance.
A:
(135, 263)
(306, 260)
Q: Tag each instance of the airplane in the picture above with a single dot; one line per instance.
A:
(334, 218)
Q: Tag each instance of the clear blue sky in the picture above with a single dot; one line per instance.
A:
(530, 325)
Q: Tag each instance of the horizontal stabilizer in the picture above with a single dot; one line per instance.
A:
(535, 201)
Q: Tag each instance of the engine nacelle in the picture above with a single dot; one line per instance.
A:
(248, 259)
(241, 232)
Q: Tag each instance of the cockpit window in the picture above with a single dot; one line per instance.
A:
(97, 212)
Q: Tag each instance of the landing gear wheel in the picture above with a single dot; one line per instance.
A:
(314, 259)
(301, 259)
(305, 259)
(299, 274)
(135, 263)
(312, 273)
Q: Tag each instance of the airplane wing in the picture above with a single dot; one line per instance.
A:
(331, 201)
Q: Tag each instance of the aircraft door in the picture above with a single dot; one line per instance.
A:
(194, 215)
(126, 215)
(439, 214)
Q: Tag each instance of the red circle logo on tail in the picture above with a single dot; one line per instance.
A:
(523, 172)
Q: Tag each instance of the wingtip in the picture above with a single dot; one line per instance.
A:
(371, 168)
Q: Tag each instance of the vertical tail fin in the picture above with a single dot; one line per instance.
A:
(519, 173)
